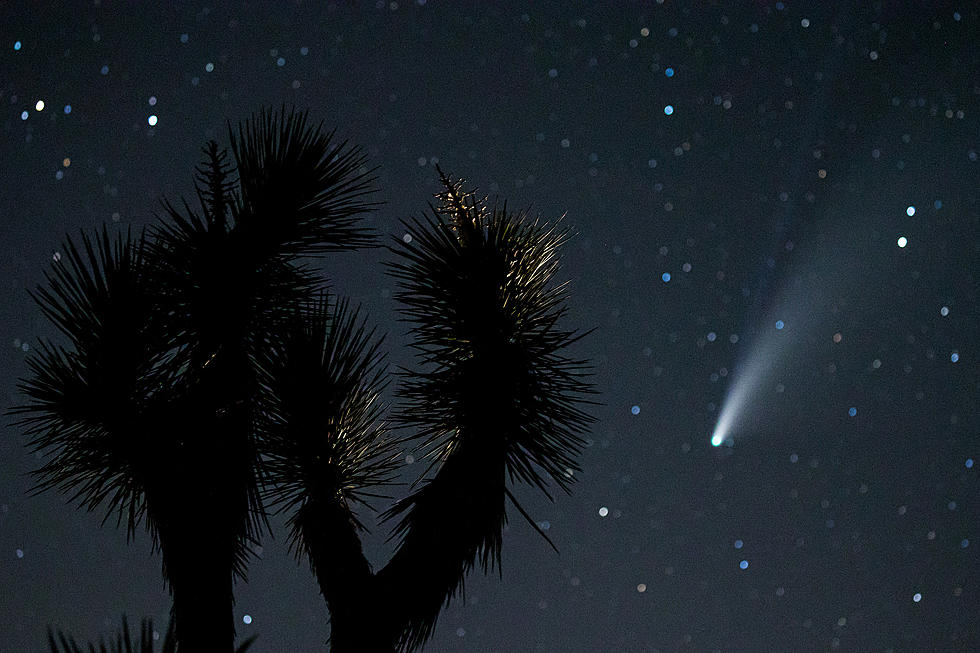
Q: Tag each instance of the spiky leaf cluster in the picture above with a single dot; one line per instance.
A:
(476, 283)
(495, 400)
(290, 168)
(124, 642)
(322, 413)
(90, 401)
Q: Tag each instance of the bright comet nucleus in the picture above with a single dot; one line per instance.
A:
(745, 405)
(746, 386)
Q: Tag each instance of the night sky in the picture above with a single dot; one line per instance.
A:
(778, 242)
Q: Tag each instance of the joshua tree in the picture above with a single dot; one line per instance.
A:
(211, 377)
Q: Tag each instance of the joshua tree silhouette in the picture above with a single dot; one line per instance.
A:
(210, 377)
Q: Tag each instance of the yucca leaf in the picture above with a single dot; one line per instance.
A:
(215, 184)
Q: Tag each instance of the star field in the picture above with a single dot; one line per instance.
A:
(778, 240)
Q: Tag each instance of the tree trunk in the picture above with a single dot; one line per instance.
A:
(455, 522)
(200, 506)
(360, 611)
(199, 569)
(363, 628)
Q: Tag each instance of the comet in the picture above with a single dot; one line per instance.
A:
(746, 386)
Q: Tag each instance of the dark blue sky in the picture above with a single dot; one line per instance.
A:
(802, 142)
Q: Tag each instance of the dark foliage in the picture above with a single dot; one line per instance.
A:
(495, 399)
(209, 378)
(151, 411)
(123, 642)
